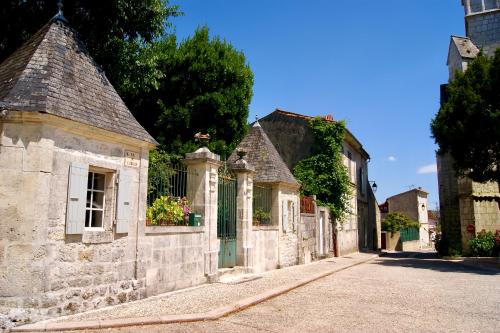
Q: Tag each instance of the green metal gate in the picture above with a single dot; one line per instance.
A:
(226, 219)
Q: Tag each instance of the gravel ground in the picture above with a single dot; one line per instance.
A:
(212, 296)
(389, 294)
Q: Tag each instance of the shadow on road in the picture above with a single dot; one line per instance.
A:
(430, 260)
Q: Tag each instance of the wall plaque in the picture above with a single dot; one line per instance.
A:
(132, 159)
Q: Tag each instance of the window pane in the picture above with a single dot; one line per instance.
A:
(99, 181)
(96, 219)
(98, 200)
(87, 218)
(89, 194)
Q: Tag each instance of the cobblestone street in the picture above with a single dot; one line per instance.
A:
(411, 293)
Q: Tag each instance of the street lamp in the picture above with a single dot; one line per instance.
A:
(374, 185)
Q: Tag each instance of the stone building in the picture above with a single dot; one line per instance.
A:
(467, 206)
(275, 238)
(73, 188)
(294, 141)
(287, 236)
(413, 204)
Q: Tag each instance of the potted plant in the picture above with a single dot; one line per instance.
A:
(261, 217)
(168, 210)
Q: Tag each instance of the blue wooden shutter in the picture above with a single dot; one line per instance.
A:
(124, 200)
(77, 195)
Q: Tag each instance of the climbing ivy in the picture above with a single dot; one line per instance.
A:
(323, 173)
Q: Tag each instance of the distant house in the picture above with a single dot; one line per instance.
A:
(413, 204)
(433, 220)
(294, 141)
(468, 207)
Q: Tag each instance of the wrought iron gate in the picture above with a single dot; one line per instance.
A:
(226, 219)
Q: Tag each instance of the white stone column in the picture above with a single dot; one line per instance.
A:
(244, 217)
(202, 192)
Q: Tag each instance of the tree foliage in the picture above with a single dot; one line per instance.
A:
(207, 87)
(396, 221)
(174, 89)
(118, 34)
(323, 173)
(468, 124)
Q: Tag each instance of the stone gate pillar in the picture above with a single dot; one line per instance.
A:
(203, 166)
(244, 201)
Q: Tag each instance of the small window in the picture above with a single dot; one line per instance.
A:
(95, 200)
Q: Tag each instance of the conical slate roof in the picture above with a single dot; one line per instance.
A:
(53, 73)
(262, 155)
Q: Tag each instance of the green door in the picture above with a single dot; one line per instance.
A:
(226, 221)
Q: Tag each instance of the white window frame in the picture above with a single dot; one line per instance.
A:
(91, 209)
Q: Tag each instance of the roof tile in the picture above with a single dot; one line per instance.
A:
(54, 73)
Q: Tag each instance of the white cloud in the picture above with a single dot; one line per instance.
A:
(431, 168)
(392, 158)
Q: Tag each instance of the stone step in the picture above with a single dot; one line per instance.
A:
(236, 275)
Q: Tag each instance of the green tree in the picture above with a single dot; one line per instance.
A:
(468, 124)
(396, 221)
(323, 173)
(118, 34)
(206, 87)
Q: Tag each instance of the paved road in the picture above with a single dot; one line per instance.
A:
(397, 293)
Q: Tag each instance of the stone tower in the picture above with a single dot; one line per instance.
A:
(468, 207)
(482, 23)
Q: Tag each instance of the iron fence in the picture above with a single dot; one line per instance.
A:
(170, 180)
(262, 205)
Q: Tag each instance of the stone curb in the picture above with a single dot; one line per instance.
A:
(182, 318)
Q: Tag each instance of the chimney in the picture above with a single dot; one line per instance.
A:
(328, 117)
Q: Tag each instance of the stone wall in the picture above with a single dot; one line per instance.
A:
(175, 258)
(449, 204)
(265, 248)
(289, 212)
(44, 271)
(463, 203)
(307, 238)
(483, 28)
(347, 241)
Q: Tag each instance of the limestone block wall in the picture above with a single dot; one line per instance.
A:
(42, 269)
(307, 238)
(347, 241)
(265, 248)
(288, 254)
(174, 256)
(449, 204)
(289, 211)
(484, 30)
(487, 214)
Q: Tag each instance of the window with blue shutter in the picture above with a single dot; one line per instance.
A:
(124, 200)
(77, 194)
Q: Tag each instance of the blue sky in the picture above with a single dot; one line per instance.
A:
(376, 64)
